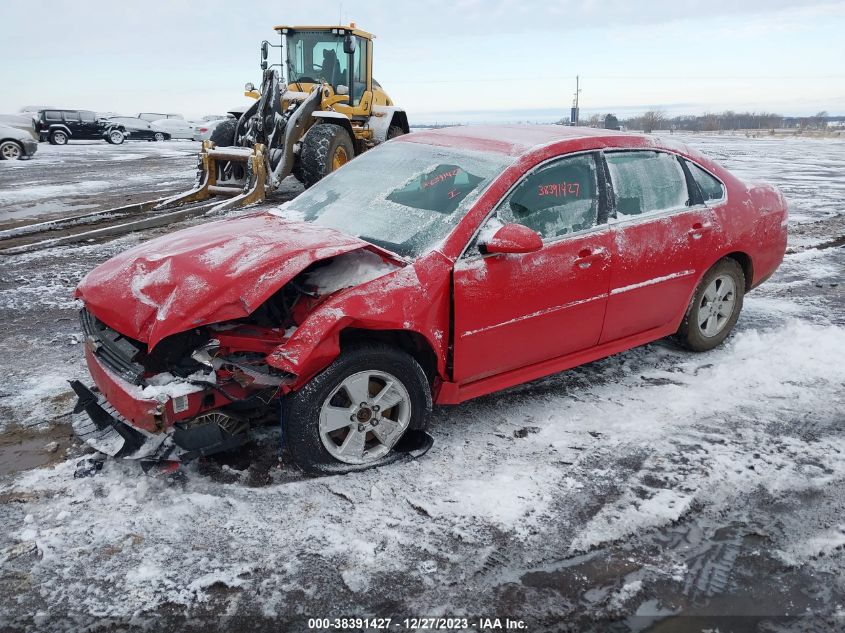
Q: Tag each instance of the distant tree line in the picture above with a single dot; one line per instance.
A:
(709, 122)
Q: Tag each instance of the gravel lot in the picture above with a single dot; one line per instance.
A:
(655, 490)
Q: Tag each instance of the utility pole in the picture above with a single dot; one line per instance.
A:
(575, 113)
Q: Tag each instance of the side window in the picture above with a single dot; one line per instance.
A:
(87, 116)
(71, 117)
(711, 188)
(52, 115)
(558, 198)
(359, 71)
(646, 182)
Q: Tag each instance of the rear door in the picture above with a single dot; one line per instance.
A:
(515, 310)
(662, 236)
(71, 120)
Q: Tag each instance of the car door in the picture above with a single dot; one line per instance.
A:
(71, 120)
(514, 310)
(662, 235)
(88, 126)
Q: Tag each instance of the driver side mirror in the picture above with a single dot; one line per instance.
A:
(349, 44)
(265, 51)
(512, 238)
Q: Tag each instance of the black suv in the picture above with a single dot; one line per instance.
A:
(60, 126)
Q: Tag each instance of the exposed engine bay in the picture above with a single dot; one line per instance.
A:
(204, 388)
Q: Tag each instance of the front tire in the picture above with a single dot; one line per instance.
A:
(10, 150)
(340, 421)
(325, 148)
(159, 137)
(116, 137)
(714, 308)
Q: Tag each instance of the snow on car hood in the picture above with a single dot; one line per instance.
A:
(205, 274)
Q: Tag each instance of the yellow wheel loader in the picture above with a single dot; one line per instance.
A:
(323, 109)
(318, 107)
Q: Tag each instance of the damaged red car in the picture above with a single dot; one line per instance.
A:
(439, 267)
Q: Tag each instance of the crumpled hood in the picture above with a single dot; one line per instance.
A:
(205, 274)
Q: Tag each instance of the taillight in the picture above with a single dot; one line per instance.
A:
(203, 130)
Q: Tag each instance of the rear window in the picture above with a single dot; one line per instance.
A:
(646, 182)
(711, 188)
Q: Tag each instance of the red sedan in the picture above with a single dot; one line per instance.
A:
(442, 266)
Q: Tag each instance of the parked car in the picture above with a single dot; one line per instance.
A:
(441, 266)
(24, 122)
(203, 129)
(177, 128)
(16, 143)
(60, 126)
(141, 130)
(155, 116)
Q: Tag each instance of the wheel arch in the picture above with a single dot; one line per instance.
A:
(335, 118)
(400, 119)
(60, 128)
(744, 261)
(414, 343)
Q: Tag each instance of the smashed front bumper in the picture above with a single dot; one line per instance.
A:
(97, 423)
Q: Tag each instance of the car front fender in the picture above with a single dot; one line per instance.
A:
(414, 299)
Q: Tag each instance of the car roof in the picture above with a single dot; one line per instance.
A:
(507, 139)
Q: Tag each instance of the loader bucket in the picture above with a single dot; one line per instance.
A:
(239, 191)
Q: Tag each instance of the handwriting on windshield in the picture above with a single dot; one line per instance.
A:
(440, 178)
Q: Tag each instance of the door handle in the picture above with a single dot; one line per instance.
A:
(698, 230)
(587, 256)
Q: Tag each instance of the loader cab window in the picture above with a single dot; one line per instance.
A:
(315, 56)
(359, 72)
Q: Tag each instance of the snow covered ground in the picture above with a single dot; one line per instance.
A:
(659, 489)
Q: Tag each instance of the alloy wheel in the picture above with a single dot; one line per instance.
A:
(364, 417)
(716, 305)
(10, 151)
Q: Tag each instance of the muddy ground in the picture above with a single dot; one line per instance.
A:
(656, 490)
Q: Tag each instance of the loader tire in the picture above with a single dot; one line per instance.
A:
(325, 148)
(224, 136)
(394, 131)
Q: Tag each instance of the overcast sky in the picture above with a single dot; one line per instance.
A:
(439, 59)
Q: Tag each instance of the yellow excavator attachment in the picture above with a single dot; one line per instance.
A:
(210, 165)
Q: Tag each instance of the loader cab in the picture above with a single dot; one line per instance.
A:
(340, 56)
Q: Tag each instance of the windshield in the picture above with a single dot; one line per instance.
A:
(405, 197)
(316, 55)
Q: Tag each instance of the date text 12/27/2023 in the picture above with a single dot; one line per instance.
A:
(416, 624)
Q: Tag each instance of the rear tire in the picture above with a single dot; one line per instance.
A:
(714, 308)
(307, 412)
(159, 137)
(394, 131)
(325, 148)
(116, 137)
(10, 150)
(57, 137)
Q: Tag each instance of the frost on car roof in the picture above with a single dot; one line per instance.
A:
(504, 139)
